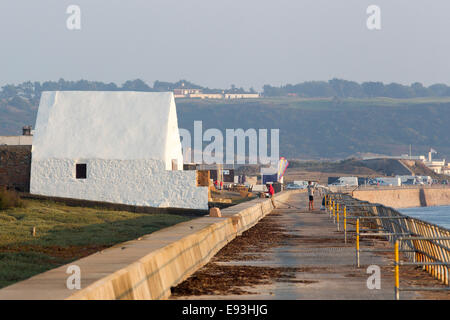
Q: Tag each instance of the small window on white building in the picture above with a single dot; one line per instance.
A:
(81, 171)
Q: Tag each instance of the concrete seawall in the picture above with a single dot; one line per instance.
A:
(406, 198)
(147, 268)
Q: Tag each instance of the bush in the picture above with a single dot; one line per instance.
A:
(9, 199)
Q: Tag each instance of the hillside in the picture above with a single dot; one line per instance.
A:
(373, 167)
(330, 128)
(15, 113)
(309, 128)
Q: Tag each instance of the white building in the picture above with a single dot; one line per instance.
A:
(436, 165)
(118, 147)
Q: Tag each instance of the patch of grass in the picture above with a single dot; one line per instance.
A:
(16, 266)
(65, 234)
(9, 199)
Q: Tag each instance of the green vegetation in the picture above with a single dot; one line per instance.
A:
(332, 128)
(346, 89)
(64, 234)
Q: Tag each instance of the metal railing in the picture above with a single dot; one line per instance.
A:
(422, 243)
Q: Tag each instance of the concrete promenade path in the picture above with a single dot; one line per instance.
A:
(324, 267)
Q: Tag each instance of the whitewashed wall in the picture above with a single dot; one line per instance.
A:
(128, 141)
(132, 182)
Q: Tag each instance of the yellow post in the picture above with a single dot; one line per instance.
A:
(329, 204)
(357, 242)
(337, 217)
(334, 212)
(345, 224)
(397, 272)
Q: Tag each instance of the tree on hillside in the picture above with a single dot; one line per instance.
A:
(344, 88)
(135, 85)
(395, 90)
(170, 86)
(9, 91)
(373, 89)
(163, 86)
(314, 89)
(270, 91)
(19, 102)
(439, 90)
(419, 90)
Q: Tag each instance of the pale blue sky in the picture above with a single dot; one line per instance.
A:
(218, 43)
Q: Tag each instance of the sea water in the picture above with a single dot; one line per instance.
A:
(438, 215)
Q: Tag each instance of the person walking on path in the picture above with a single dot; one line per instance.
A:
(271, 192)
(311, 189)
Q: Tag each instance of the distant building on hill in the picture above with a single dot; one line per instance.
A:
(437, 165)
(198, 94)
(205, 96)
(241, 95)
(446, 169)
(183, 92)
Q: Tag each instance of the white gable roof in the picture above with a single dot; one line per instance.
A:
(107, 125)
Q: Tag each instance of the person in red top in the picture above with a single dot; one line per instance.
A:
(221, 185)
(270, 190)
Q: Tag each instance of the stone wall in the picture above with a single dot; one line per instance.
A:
(406, 197)
(15, 166)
